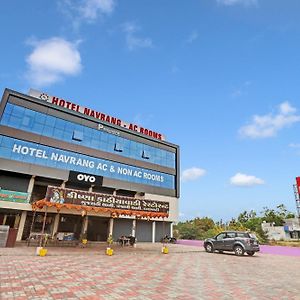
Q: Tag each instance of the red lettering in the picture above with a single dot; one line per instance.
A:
(130, 127)
(135, 127)
(142, 130)
(113, 120)
(150, 133)
(102, 117)
(92, 114)
(119, 122)
(159, 136)
(98, 114)
(87, 111)
(62, 102)
(69, 104)
(55, 100)
(107, 119)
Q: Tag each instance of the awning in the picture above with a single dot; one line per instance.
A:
(113, 212)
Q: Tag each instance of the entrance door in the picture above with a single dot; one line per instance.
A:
(97, 229)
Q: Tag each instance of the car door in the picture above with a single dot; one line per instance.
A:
(219, 241)
(229, 241)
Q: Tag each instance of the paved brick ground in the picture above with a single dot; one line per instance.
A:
(187, 272)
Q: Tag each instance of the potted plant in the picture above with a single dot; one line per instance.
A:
(109, 250)
(83, 239)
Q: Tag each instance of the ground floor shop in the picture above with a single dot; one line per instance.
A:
(65, 210)
(63, 226)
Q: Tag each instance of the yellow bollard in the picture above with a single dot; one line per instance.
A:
(165, 250)
(43, 252)
(109, 251)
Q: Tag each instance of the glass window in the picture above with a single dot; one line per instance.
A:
(26, 121)
(40, 123)
(230, 235)
(118, 147)
(77, 135)
(145, 154)
(242, 234)
(221, 236)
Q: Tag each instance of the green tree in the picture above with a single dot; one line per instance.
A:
(276, 216)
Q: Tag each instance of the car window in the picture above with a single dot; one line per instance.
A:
(230, 235)
(252, 235)
(242, 234)
(221, 236)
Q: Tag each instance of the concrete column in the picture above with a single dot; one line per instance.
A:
(133, 227)
(85, 225)
(63, 185)
(91, 189)
(111, 226)
(4, 219)
(21, 225)
(153, 231)
(17, 221)
(171, 229)
(55, 225)
(30, 187)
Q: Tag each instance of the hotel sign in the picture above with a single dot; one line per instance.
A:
(77, 197)
(95, 114)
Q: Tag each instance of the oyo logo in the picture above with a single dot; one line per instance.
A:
(86, 178)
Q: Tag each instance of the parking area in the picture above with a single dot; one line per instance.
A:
(187, 272)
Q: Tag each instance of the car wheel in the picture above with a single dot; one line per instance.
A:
(250, 253)
(239, 251)
(209, 248)
(220, 251)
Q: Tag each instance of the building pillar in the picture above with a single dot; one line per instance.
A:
(4, 219)
(133, 227)
(63, 185)
(17, 221)
(90, 189)
(85, 224)
(55, 225)
(111, 226)
(153, 231)
(30, 187)
(21, 225)
(171, 229)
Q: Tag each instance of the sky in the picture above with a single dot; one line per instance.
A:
(219, 78)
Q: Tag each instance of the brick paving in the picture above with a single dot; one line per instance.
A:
(187, 272)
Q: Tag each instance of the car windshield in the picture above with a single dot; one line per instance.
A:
(252, 235)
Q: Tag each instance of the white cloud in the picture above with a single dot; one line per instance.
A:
(132, 40)
(293, 145)
(192, 37)
(51, 60)
(240, 179)
(268, 125)
(237, 2)
(79, 11)
(192, 174)
(91, 9)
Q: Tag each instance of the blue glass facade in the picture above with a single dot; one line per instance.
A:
(50, 126)
(33, 153)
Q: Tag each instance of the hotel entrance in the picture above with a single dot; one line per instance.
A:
(97, 230)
